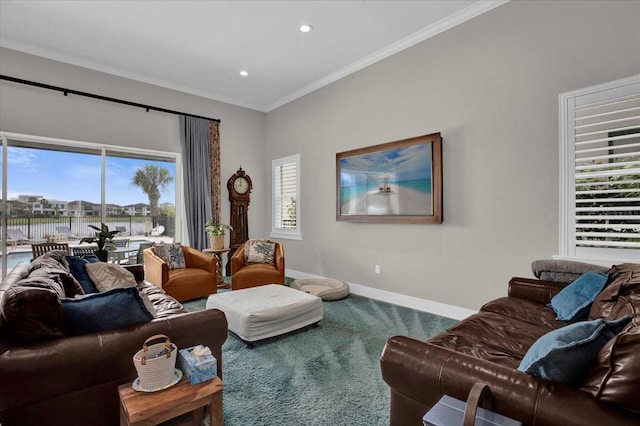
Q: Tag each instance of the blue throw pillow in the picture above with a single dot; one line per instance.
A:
(567, 354)
(79, 272)
(104, 311)
(574, 301)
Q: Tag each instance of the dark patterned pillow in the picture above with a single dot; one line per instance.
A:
(259, 251)
(172, 255)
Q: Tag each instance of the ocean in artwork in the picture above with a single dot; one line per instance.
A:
(349, 193)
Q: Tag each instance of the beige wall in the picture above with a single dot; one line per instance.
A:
(491, 87)
(35, 111)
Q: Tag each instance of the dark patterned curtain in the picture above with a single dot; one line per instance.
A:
(214, 148)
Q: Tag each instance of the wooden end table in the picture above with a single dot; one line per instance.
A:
(152, 408)
(218, 254)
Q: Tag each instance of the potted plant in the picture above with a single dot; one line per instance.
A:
(103, 239)
(216, 233)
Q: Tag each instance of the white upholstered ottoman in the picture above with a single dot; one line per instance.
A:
(266, 311)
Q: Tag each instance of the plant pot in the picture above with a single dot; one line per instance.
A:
(217, 242)
(102, 255)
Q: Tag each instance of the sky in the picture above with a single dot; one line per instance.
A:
(69, 176)
(400, 164)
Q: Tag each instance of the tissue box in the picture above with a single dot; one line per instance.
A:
(197, 371)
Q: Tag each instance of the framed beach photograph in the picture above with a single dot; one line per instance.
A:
(395, 182)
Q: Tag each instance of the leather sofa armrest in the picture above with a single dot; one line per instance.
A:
(137, 271)
(535, 290)
(157, 271)
(194, 258)
(45, 370)
(237, 260)
(420, 373)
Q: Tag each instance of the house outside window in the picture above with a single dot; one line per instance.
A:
(600, 172)
(286, 198)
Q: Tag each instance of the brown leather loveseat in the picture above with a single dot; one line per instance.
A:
(73, 380)
(488, 347)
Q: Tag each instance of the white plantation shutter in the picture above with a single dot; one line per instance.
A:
(601, 146)
(286, 200)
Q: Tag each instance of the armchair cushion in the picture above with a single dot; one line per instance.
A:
(110, 310)
(567, 354)
(259, 251)
(574, 301)
(172, 255)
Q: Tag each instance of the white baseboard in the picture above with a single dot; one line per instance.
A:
(416, 303)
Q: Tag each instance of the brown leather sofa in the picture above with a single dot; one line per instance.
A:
(198, 279)
(487, 347)
(245, 275)
(74, 380)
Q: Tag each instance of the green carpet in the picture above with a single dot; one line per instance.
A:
(325, 375)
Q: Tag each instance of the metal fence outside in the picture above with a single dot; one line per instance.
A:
(37, 227)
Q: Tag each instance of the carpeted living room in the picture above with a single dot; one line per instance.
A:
(422, 208)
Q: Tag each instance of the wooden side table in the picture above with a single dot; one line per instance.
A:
(218, 254)
(142, 408)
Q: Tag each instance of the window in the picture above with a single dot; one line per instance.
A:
(286, 198)
(600, 172)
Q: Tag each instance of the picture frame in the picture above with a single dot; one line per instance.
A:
(394, 182)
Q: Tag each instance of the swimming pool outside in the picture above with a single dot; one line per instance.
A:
(15, 257)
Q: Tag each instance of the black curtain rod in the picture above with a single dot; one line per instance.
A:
(102, 98)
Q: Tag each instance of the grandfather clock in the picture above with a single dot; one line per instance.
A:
(239, 186)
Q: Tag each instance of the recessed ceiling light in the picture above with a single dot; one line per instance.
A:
(305, 28)
(244, 73)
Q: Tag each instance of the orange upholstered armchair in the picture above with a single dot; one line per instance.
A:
(247, 274)
(198, 279)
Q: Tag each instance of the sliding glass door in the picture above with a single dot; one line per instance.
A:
(55, 189)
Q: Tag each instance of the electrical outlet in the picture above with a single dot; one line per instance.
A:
(377, 269)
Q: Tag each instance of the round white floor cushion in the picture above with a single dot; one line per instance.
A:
(325, 288)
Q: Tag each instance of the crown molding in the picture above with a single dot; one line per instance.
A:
(128, 74)
(451, 21)
(470, 12)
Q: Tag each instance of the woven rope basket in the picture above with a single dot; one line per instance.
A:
(156, 363)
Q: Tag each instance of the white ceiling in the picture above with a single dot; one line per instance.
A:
(199, 47)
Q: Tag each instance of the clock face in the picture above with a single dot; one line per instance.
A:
(241, 185)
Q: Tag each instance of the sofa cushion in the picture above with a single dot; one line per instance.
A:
(107, 276)
(172, 255)
(616, 375)
(77, 268)
(164, 305)
(511, 338)
(574, 301)
(612, 302)
(112, 309)
(524, 310)
(259, 251)
(567, 354)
